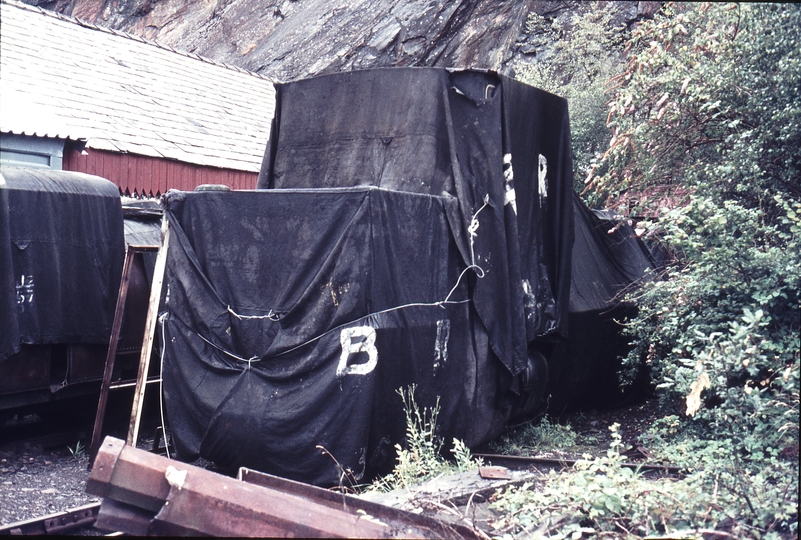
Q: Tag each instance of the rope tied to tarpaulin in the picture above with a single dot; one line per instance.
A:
(472, 231)
(255, 358)
(161, 384)
(273, 316)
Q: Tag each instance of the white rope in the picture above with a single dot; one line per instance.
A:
(273, 316)
(161, 386)
(232, 355)
(471, 229)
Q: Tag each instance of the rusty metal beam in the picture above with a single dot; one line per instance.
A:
(337, 500)
(188, 500)
(119, 517)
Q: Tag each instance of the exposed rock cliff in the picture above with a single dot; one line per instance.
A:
(290, 39)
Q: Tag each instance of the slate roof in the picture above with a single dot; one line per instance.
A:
(65, 78)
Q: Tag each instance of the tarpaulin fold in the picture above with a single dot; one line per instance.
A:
(61, 256)
(608, 261)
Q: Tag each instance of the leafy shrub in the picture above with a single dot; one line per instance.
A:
(706, 116)
(707, 104)
(601, 497)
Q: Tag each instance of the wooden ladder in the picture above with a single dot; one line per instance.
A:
(142, 380)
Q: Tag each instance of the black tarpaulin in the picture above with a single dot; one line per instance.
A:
(500, 147)
(142, 222)
(61, 255)
(607, 259)
(293, 316)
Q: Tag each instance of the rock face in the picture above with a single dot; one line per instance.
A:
(291, 39)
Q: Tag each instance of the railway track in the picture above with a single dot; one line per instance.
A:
(48, 425)
(80, 520)
(68, 522)
(525, 462)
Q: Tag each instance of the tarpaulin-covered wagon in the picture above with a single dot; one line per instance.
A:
(62, 244)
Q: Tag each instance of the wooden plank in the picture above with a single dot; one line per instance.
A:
(148, 166)
(111, 355)
(135, 185)
(150, 332)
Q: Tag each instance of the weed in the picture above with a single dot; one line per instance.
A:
(421, 459)
(533, 436)
(78, 451)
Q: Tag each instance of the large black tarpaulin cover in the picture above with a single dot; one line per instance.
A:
(296, 311)
(61, 255)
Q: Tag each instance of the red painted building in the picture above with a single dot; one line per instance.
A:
(151, 176)
(79, 97)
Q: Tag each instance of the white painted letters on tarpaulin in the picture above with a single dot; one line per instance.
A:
(351, 343)
(441, 344)
(24, 291)
(543, 179)
(509, 183)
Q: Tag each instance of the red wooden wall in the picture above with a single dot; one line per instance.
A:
(148, 176)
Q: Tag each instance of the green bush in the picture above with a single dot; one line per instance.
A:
(707, 142)
(707, 105)
(600, 497)
(708, 134)
(705, 151)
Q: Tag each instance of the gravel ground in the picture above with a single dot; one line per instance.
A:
(36, 482)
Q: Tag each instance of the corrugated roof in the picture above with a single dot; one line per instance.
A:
(61, 77)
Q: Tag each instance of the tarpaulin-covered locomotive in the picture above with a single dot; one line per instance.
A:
(411, 227)
(415, 227)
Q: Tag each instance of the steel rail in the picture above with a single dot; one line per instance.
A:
(520, 462)
(59, 523)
